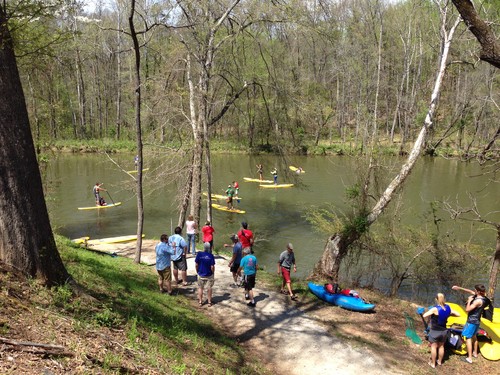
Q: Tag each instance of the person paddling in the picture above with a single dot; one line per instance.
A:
(96, 190)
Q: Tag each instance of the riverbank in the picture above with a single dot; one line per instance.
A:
(119, 322)
(335, 147)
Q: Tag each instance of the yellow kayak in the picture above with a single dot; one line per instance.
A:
(224, 208)
(248, 179)
(296, 170)
(135, 170)
(111, 240)
(100, 207)
(276, 186)
(219, 196)
(489, 350)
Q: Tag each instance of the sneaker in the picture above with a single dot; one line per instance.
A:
(251, 304)
(247, 296)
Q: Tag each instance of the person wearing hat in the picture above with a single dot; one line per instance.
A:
(234, 263)
(246, 236)
(285, 264)
(249, 266)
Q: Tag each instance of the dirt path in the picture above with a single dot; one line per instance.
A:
(286, 336)
(279, 333)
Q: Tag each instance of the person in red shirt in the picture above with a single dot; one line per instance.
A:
(208, 234)
(246, 237)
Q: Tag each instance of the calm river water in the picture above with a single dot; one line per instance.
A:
(275, 215)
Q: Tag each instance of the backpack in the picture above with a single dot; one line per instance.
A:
(488, 309)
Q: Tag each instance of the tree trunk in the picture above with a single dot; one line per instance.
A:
(337, 247)
(26, 239)
(137, 91)
(492, 284)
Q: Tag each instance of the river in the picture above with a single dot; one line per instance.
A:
(277, 216)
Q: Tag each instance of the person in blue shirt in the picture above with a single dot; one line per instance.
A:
(163, 254)
(205, 268)
(234, 263)
(179, 245)
(438, 332)
(249, 266)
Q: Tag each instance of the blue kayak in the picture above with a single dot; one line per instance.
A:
(337, 299)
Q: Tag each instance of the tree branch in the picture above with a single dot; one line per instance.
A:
(490, 47)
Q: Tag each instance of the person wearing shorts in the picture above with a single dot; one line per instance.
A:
(249, 266)
(438, 332)
(179, 245)
(285, 264)
(163, 254)
(234, 263)
(474, 308)
(205, 268)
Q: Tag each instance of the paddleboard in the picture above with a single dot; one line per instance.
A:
(295, 169)
(80, 240)
(219, 196)
(100, 207)
(111, 240)
(276, 186)
(135, 170)
(248, 179)
(224, 208)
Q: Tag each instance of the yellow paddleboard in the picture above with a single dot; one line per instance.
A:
(276, 186)
(248, 179)
(296, 170)
(111, 240)
(224, 208)
(218, 196)
(80, 240)
(135, 170)
(100, 207)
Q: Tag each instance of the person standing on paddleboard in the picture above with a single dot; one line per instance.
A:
(274, 172)
(96, 191)
(260, 171)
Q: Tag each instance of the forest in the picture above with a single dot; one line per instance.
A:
(306, 76)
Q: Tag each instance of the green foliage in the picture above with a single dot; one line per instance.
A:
(62, 295)
(107, 318)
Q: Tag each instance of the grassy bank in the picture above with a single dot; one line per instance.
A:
(218, 146)
(119, 323)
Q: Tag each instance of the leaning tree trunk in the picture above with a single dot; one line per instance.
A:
(26, 239)
(337, 247)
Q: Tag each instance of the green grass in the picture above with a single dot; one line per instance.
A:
(164, 327)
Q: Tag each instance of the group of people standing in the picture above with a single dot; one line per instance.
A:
(439, 314)
(243, 263)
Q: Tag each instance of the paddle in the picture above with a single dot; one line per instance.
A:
(110, 197)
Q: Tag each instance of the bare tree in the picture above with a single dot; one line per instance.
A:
(337, 246)
(472, 213)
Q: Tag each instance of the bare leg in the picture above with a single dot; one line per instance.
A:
(169, 286)
(200, 295)
(184, 277)
(468, 342)
(433, 354)
(209, 295)
(160, 283)
(475, 347)
(289, 286)
(440, 353)
(176, 275)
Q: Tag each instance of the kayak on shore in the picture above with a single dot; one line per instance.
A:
(338, 299)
